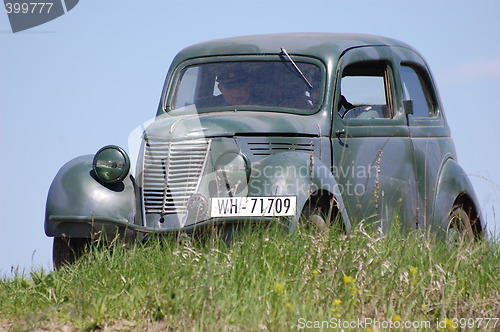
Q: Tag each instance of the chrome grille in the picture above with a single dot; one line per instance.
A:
(172, 172)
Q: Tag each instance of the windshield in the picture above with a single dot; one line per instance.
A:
(249, 85)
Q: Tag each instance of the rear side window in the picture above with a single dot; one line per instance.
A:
(416, 89)
(365, 91)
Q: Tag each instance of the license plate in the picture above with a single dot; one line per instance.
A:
(254, 206)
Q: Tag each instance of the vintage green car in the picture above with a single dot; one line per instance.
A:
(289, 128)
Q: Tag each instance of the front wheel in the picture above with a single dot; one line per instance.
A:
(67, 250)
(459, 226)
(321, 215)
(317, 220)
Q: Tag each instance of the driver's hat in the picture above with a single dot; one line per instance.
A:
(233, 79)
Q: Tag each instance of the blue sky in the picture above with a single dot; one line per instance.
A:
(89, 77)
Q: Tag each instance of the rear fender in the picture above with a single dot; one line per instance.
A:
(76, 195)
(453, 184)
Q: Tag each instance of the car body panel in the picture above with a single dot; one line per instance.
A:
(77, 202)
(453, 184)
(375, 155)
(229, 124)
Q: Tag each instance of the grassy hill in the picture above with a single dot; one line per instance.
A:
(265, 281)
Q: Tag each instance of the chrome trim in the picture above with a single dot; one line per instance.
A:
(172, 173)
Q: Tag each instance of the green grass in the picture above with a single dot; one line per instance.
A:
(266, 280)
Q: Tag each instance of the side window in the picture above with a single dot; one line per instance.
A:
(365, 91)
(415, 88)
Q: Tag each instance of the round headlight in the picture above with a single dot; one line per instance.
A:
(111, 164)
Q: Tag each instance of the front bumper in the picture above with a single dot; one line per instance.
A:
(83, 226)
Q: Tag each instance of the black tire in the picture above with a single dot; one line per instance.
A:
(459, 226)
(66, 251)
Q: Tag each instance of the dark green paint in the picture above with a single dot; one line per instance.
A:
(407, 166)
(76, 193)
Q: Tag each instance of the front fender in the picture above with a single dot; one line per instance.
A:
(295, 174)
(453, 183)
(76, 195)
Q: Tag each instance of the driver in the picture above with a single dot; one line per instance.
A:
(235, 87)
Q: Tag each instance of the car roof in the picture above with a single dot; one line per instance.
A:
(325, 46)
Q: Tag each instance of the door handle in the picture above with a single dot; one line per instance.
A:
(342, 133)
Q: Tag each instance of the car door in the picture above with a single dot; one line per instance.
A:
(372, 152)
(429, 132)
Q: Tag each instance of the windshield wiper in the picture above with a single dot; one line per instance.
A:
(296, 67)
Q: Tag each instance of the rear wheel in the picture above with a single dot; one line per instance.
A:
(459, 226)
(67, 250)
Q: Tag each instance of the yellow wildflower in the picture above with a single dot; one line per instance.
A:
(279, 289)
(449, 324)
(349, 280)
(315, 272)
(413, 271)
(396, 318)
(337, 302)
(336, 310)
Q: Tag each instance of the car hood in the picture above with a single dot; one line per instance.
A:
(168, 127)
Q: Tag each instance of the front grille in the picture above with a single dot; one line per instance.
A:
(172, 172)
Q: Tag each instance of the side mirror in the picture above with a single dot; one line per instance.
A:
(408, 106)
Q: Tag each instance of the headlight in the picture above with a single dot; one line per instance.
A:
(111, 164)
(233, 171)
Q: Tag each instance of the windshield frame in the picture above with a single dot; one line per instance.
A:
(174, 83)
